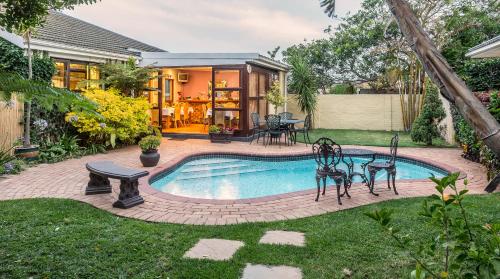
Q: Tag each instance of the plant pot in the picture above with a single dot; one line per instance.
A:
(150, 158)
(220, 137)
(29, 153)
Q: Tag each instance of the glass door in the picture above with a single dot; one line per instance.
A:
(227, 97)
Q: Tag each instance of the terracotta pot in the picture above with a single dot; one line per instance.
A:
(29, 153)
(150, 158)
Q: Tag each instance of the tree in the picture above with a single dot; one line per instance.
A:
(274, 96)
(272, 53)
(303, 84)
(451, 86)
(426, 127)
(24, 17)
(129, 79)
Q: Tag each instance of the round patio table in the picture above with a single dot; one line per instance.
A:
(290, 123)
(355, 152)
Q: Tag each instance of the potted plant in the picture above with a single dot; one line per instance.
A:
(220, 135)
(149, 146)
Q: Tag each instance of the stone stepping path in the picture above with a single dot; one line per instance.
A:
(214, 249)
(283, 238)
(223, 250)
(275, 272)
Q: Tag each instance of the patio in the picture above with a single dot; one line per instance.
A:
(69, 179)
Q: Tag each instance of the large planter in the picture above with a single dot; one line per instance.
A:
(220, 137)
(29, 153)
(150, 158)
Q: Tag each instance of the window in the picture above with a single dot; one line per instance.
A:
(70, 74)
(58, 80)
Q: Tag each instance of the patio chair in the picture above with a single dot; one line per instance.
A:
(304, 130)
(274, 129)
(389, 166)
(257, 129)
(286, 115)
(328, 155)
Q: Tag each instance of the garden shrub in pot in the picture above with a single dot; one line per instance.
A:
(149, 146)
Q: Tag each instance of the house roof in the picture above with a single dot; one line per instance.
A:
(167, 59)
(489, 48)
(67, 30)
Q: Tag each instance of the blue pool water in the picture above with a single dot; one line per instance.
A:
(230, 179)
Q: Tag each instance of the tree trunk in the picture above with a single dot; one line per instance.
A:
(450, 85)
(27, 103)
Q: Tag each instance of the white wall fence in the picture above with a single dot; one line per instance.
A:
(380, 112)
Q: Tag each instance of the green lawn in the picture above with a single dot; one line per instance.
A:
(49, 238)
(368, 138)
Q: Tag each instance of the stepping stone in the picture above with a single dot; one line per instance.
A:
(214, 249)
(275, 272)
(283, 238)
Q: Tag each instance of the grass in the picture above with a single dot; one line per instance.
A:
(50, 238)
(368, 138)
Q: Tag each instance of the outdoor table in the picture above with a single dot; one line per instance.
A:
(290, 123)
(354, 152)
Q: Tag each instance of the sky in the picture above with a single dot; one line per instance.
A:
(214, 25)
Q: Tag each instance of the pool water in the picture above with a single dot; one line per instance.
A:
(230, 179)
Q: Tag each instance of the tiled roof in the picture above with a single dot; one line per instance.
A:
(64, 29)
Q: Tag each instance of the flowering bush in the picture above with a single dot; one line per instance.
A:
(118, 117)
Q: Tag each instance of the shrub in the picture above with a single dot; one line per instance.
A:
(118, 118)
(342, 89)
(461, 249)
(425, 128)
(149, 143)
(214, 129)
(63, 148)
(12, 59)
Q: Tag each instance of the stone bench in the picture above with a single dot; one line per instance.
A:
(101, 171)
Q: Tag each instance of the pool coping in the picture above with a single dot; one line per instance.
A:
(145, 183)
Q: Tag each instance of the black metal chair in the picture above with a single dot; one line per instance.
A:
(389, 166)
(304, 130)
(286, 127)
(257, 129)
(328, 155)
(274, 129)
(286, 115)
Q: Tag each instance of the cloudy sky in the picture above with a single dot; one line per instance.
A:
(214, 25)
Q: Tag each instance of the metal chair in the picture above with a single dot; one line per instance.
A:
(389, 166)
(256, 129)
(304, 130)
(328, 155)
(273, 123)
(286, 115)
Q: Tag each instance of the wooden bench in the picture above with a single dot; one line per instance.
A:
(101, 171)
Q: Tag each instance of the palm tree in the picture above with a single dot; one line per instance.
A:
(451, 86)
(303, 84)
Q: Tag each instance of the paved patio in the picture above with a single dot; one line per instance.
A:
(68, 179)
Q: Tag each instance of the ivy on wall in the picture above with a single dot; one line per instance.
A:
(12, 59)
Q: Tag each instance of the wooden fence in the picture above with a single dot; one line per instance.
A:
(11, 118)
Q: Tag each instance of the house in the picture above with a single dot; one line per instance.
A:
(193, 91)
(487, 49)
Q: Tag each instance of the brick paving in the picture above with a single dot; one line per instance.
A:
(68, 179)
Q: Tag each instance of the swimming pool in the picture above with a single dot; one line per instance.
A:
(227, 177)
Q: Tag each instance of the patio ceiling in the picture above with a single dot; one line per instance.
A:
(168, 59)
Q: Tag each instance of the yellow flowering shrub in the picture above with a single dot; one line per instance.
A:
(118, 117)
